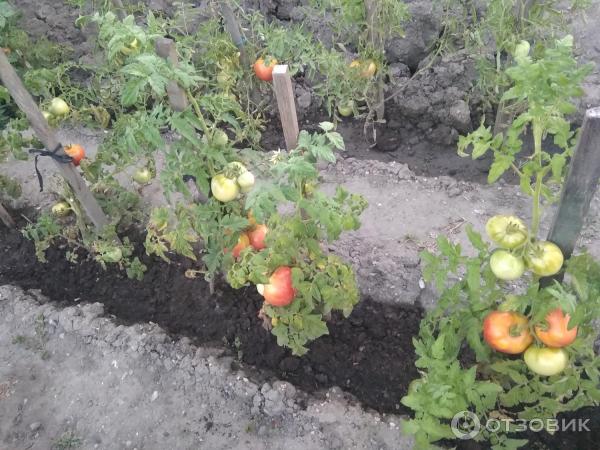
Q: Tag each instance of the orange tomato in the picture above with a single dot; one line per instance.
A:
(243, 242)
(76, 152)
(263, 71)
(257, 236)
(279, 291)
(507, 332)
(556, 334)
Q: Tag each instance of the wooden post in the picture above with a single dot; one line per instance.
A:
(286, 102)
(376, 40)
(165, 48)
(6, 218)
(580, 185)
(119, 9)
(233, 28)
(23, 99)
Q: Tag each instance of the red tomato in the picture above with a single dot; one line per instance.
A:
(263, 71)
(257, 236)
(507, 332)
(242, 243)
(279, 291)
(76, 152)
(556, 333)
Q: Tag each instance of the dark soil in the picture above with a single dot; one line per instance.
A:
(370, 355)
(424, 159)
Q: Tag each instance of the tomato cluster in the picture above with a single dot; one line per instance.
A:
(233, 181)
(510, 332)
(517, 252)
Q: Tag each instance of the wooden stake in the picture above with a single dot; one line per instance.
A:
(376, 40)
(580, 185)
(23, 99)
(286, 102)
(6, 218)
(233, 28)
(165, 48)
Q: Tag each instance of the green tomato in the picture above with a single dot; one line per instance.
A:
(46, 115)
(506, 266)
(507, 231)
(58, 107)
(224, 189)
(346, 110)
(112, 255)
(246, 181)
(142, 175)
(544, 258)
(61, 209)
(220, 138)
(546, 361)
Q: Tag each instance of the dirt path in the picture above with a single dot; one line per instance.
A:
(73, 377)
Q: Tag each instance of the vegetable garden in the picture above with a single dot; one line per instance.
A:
(225, 171)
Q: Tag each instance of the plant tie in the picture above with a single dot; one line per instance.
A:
(63, 159)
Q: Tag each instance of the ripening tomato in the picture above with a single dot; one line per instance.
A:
(507, 332)
(7, 51)
(506, 266)
(544, 258)
(367, 68)
(242, 243)
(507, 231)
(76, 152)
(257, 236)
(280, 290)
(224, 189)
(546, 361)
(264, 71)
(251, 219)
(555, 332)
(58, 107)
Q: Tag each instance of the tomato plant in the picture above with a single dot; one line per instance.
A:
(322, 282)
(475, 309)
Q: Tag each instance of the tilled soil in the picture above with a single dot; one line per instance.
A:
(370, 355)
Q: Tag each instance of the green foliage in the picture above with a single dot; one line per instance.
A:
(540, 97)
(500, 27)
(495, 384)
(324, 282)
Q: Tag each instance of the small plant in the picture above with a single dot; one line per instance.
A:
(301, 282)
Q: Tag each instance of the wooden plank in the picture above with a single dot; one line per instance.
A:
(6, 218)
(286, 102)
(580, 185)
(23, 99)
(165, 48)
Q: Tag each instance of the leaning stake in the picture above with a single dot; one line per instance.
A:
(23, 99)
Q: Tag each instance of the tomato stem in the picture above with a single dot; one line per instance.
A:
(537, 143)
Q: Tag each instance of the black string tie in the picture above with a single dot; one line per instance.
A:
(63, 159)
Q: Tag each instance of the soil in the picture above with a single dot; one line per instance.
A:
(370, 355)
